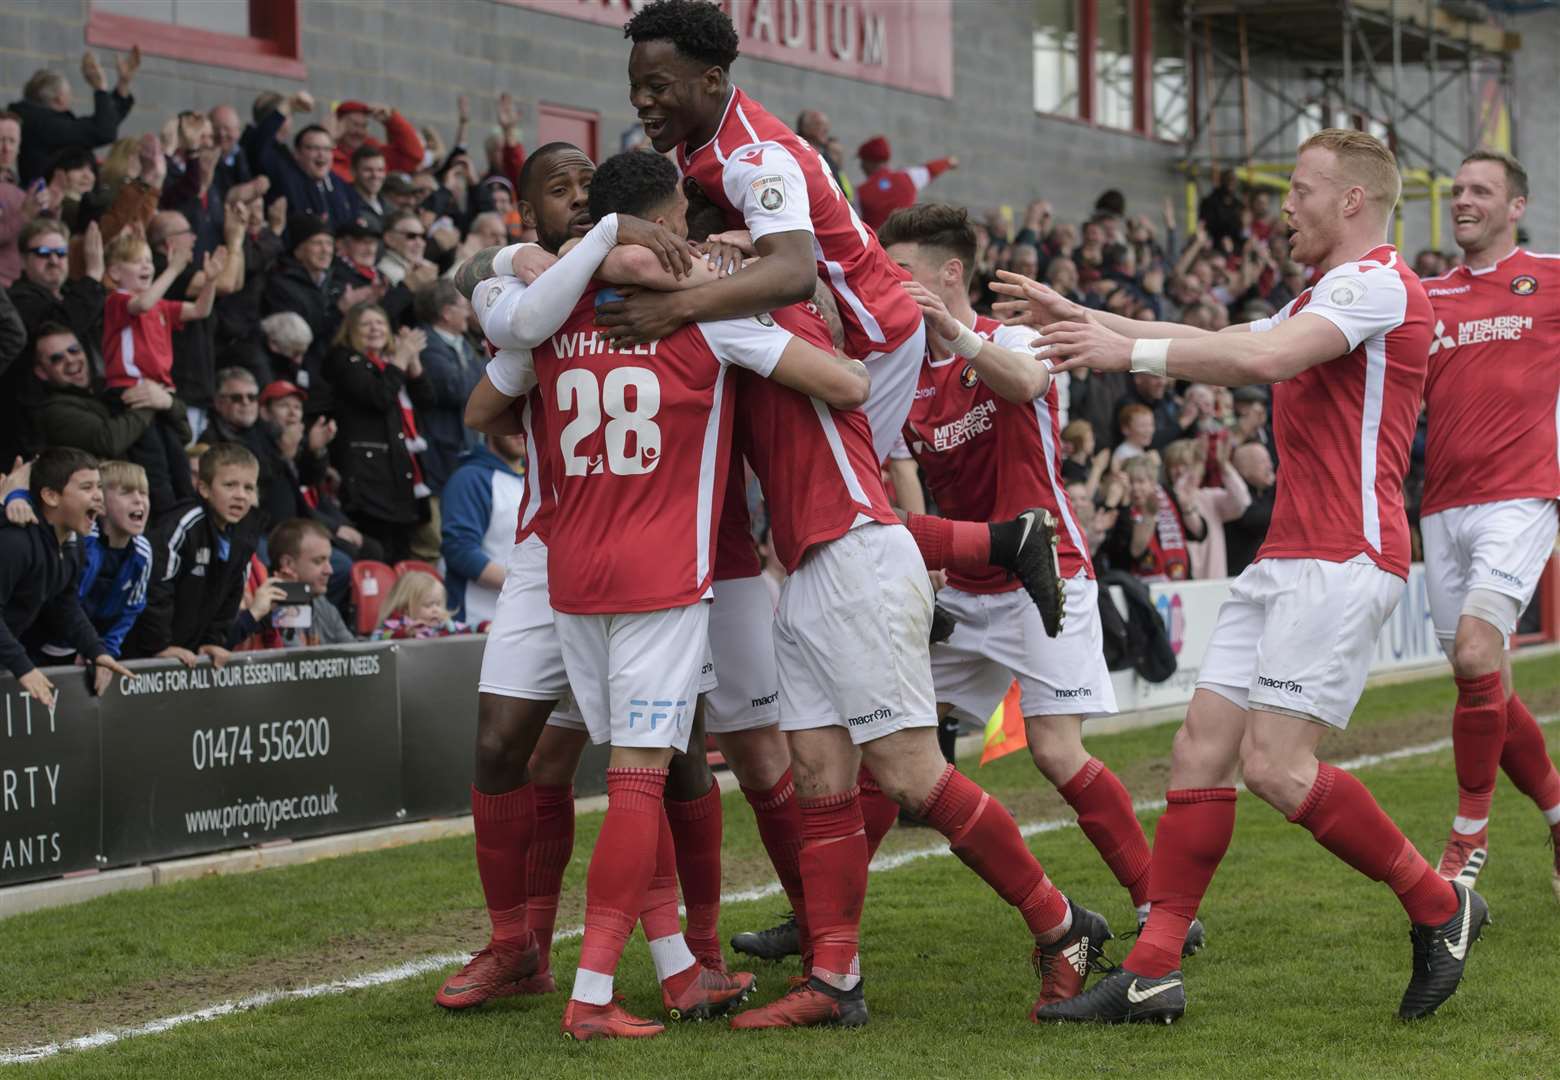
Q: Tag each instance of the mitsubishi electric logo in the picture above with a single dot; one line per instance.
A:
(1443, 340)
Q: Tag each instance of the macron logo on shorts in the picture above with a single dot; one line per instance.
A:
(1288, 686)
(883, 713)
(1082, 691)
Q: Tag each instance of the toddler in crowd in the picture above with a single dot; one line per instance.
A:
(415, 609)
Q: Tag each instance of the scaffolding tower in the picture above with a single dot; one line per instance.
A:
(1262, 71)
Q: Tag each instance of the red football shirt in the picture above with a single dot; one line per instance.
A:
(137, 347)
(816, 464)
(1493, 392)
(735, 555)
(767, 180)
(1344, 428)
(887, 190)
(640, 441)
(988, 459)
(536, 503)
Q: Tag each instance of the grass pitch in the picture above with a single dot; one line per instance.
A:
(1305, 964)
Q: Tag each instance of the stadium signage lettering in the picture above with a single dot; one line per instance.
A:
(889, 42)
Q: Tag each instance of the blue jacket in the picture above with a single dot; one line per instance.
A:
(124, 605)
(325, 198)
(442, 422)
(479, 509)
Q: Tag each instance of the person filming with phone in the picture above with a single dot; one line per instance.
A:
(290, 608)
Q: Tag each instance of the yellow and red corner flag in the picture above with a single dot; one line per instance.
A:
(1005, 729)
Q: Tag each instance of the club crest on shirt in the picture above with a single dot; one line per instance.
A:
(968, 377)
(771, 192)
(1345, 293)
(1524, 284)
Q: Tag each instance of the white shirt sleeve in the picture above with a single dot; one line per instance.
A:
(1018, 339)
(512, 372)
(1257, 326)
(754, 343)
(1362, 304)
(521, 317)
(767, 184)
(919, 175)
(900, 452)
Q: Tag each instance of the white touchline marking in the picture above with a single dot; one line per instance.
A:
(413, 968)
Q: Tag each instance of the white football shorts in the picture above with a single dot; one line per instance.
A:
(742, 645)
(1495, 547)
(522, 657)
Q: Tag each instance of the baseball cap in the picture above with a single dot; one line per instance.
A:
(874, 149)
(282, 388)
(359, 227)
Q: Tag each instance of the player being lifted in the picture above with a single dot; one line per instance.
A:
(764, 179)
(986, 431)
(1291, 649)
(1492, 475)
(643, 443)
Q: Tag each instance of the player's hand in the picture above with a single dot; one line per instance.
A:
(531, 262)
(938, 320)
(670, 249)
(219, 655)
(1033, 304)
(640, 317)
(105, 667)
(181, 654)
(1085, 344)
(36, 683)
(724, 254)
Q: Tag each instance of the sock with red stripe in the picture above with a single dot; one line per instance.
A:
(551, 849)
(985, 837)
(696, 828)
(621, 866)
(1189, 842)
(834, 875)
(1526, 760)
(1478, 734)
(951, 545)
(878, 811)
(1346, 820)
(1106, 817)
(504, 826)
(780, 830)
(669, 950)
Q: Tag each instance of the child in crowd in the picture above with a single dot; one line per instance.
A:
(38, 577)
(116, 559)
(415, 609)
(201, 555)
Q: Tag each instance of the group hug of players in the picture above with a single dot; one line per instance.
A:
(642, 377)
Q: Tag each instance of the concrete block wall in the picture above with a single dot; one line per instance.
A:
(418, 54)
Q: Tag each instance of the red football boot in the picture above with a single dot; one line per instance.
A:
(1464, 856)
(583, 1022)
(810, 1003)
(698, 992)
(501, 969)
(1063, 965)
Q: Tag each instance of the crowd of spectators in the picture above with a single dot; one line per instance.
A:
(249, 330)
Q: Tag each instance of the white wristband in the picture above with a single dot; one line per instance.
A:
(1150, 354)
(967, 344)
(504, 261)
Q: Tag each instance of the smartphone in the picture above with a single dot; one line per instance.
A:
(294, 592)
(294, 611)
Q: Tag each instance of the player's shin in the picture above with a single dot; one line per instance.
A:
(549, 856)
(834, 879)
(620, 870)
(1106, 817)
(1478, 735)
(878, 811)
(779, 822)
(1189, 842)
(1526, 760)
(504, 826)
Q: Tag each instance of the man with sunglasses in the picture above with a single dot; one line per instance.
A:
(66, 408)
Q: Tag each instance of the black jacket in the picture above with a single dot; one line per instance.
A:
(292, 288)
(370, 449)
(280, 479)
(451, 377)
(195, 593)
(46, 132)
(238, 315)
(79, 306)
(38, 585)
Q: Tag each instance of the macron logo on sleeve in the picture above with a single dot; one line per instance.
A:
(754, 156)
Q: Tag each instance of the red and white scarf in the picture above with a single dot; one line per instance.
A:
(415, 443)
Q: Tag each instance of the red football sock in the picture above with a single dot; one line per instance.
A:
(780, 829)
(660, 911)
(951, 545)
(696, 828)
(1189, 842)
(1106, 817)
(1478, 734)
(1346, 820)
(504, 825)
(621, 865)
(550, 853)
(878, 811)
(834, 874)
(1526, 760)
(985, 837)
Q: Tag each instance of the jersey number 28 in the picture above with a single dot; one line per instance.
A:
(633, 439)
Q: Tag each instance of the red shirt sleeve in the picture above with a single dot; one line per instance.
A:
(173, 311)
(403, 147)
(513, 158)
